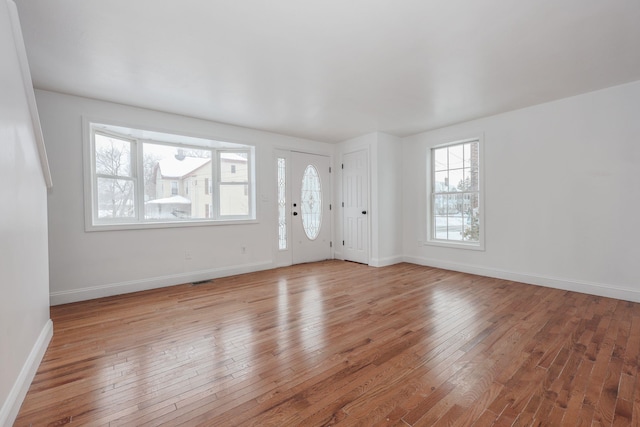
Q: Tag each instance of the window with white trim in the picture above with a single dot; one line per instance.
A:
(455, 208)
(141, 178)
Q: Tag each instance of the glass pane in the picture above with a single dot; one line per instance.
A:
(176, 182)
(311, 202)
(440, 158)
(454, 227)
(454, 205)
(282, 203)
(469, 184)
(440, 205)
(475, 202)
(456, 180)
(456, 157)
(466, 204)
(233, 166)
(441, 182)
(234, 199)
(471, 227)
(113, 156)
(440, 231)
(467, 155)
(116, 198)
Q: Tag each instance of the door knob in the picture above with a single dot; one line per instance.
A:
(295, 213)
(364, 212)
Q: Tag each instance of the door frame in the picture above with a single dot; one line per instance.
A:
(284, 257)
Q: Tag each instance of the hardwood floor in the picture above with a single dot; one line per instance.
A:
(342, 343)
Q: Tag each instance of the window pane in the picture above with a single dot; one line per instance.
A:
(311, 202)
(116, 198)
(456, 180)
(233, 167)
(475, 165)
(282, 203)
(471, 227)
(441, 182)
(468, 184)
(440, 205)
(440, 158)
(467, 155)
(456, 157)
(234, 199)
(454, 205)
(440, 227)
(175, 182)
(454, 227)
(113, 156)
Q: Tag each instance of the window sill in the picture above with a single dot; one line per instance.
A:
(156, 225)
(455, 245)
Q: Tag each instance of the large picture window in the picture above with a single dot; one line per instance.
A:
(142, 178)
(455, 203)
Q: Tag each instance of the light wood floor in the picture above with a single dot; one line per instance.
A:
(342, 343)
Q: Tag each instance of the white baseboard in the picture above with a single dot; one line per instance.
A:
(11, 406)
(64, 297)
(532, 279)
(383, 262)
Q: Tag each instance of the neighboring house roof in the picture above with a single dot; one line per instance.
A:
(174, 200)
(174, 168)
(233, 156)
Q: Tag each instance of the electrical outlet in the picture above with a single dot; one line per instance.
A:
(188, 255)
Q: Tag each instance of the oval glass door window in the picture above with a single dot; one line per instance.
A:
(311, 202)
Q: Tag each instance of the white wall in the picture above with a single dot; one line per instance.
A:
(387, 199)
(25, 328)
(562, 194)
(86, 265)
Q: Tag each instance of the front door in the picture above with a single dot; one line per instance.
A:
(309, 207)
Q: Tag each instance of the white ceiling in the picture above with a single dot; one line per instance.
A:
(331, 69)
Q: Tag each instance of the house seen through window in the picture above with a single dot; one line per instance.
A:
(164, 178)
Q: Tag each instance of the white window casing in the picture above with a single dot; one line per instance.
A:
(455, 199)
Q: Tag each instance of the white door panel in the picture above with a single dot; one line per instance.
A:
(355, 190)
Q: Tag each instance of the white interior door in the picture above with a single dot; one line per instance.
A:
(309, 207)
(355, 193)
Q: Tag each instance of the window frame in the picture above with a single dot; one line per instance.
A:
(133, 174)
(430, 239)
(91, 126)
